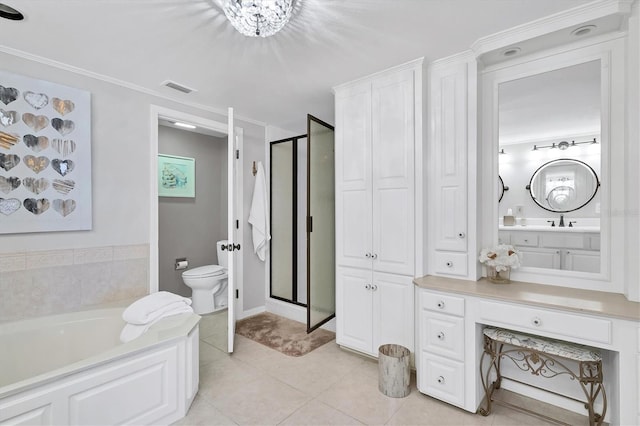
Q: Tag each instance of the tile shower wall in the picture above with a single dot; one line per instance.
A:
(52, 282)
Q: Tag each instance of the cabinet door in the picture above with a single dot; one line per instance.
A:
(393, 310)
(393, 136)
(353, 176)
(449, 156)
(540, 257)
(581, 260)
(354, 309)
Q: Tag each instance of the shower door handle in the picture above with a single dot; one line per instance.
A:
(231, 247)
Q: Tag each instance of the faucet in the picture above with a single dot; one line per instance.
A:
(561, 224)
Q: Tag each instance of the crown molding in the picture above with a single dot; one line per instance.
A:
(456, 59)
(128, 85)
(411, 65)
(555, 22)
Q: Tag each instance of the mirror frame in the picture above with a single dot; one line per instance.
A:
(502, 188)
(610, 51)
(533, 176)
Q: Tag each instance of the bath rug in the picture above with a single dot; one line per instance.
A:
(282, 334)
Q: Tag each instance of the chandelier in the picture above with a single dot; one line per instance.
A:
(258, 18)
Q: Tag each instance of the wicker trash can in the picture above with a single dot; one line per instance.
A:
(393, 370)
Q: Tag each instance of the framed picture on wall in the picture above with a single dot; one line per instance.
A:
(176, 176)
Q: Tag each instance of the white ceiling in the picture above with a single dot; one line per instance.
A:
(276, 80)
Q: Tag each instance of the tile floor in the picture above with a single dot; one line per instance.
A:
(257, 385)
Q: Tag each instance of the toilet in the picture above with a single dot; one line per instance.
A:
(209, 284)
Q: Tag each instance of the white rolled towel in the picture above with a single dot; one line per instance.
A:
(149, 308)
(133, 331)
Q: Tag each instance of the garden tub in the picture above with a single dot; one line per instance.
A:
(72, 369)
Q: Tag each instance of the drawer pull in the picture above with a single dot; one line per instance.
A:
(374, 287)
(367, 286)
(374, 256)
(440, 380)
(461, 235)
(440, 304)
(440, 336)
(367, 255)
(449, 264)
(536, 321)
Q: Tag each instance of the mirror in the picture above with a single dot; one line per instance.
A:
(549, 143)
(563, 185)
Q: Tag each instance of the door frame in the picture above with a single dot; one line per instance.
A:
(158, 112)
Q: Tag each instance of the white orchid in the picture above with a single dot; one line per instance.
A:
(502, 257)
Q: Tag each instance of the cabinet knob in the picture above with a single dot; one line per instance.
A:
(374, 256)
(367, 255)
(526, 240)
(449, 264)
(367, 286)
(440, 380)
(374, 287)
(461, 235)
(536, 321)
(440, 304)
(440, 336)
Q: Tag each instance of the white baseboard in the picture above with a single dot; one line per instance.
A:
(251, 312)
(294, 312)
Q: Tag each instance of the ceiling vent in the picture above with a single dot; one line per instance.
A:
(177, 86)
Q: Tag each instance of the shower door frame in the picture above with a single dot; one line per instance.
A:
(294, 250)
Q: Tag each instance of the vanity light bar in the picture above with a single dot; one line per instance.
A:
(563, 145)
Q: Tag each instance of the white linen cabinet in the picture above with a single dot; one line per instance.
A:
(452, 169)
(378, 148)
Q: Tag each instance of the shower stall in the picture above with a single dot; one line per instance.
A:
(303, 221)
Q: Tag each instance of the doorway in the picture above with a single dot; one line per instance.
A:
(228, 187)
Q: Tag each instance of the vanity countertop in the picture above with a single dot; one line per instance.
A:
(549, 228)
(570, 299)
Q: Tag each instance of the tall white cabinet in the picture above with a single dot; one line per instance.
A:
(378, 201)
(452, 169)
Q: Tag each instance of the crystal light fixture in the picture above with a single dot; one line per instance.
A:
(258, 18)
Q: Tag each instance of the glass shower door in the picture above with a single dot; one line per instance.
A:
(321, 289)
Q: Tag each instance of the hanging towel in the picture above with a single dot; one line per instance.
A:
(259, 215)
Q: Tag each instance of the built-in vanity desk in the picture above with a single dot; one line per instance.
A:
(451, 313)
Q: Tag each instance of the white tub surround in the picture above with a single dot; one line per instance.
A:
(451, 313)
(72, 369)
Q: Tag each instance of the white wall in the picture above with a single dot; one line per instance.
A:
(121, 169)
(519, 163)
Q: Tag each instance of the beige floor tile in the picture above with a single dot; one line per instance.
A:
(264, 401)
(210, 354)
(219, 340)
(213, 323)
(203, 414)
(225, 375)
(315, 412)
(420, 409)
(357, 395)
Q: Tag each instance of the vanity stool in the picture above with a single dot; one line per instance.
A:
(541, 356)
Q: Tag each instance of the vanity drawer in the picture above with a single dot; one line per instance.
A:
(442, 378)
(561, 325)
(528, 239)
(442, 335)
(450, 263)
(504, 237)
(575, 241)
(442, 303)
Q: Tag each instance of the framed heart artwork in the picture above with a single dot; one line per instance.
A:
(45, 156)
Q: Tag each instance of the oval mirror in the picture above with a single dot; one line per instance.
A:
(501, 188)
(563, 185)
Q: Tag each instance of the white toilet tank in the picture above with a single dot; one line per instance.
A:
(222, 254)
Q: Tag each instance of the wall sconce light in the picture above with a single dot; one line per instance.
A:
(563, 145)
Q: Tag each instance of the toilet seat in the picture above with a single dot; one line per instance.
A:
(205, 271)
